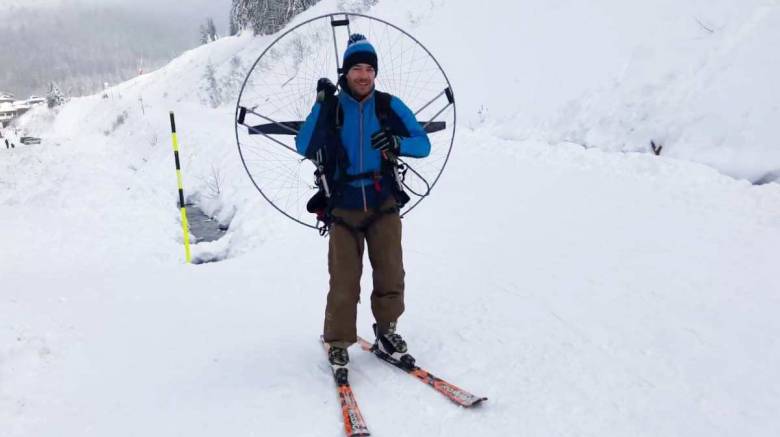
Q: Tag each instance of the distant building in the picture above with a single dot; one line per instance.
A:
(10, 108)
(21, 108)
(35, 100)
(7, 113)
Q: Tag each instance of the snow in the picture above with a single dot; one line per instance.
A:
(584, 292)
(615, 74)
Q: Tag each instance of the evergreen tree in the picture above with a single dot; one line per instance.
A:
(211, 87)
(208, 32)
(211, 29)
(54, 97)
(265, 17)
(239, 16)
(231, 83)
(234, 29)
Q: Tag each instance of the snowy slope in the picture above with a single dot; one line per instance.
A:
(584, 292)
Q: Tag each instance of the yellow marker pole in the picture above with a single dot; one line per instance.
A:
(185, 226)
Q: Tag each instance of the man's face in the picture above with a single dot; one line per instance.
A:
(360, 80)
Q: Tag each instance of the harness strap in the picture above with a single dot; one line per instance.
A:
(389, 121)
(373, 175)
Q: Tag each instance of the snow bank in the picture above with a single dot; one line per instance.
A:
(695, 76)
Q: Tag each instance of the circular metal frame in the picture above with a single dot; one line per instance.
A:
(413, 203)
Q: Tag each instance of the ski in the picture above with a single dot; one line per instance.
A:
(354, 424)
(452, 392)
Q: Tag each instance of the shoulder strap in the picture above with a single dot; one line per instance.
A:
(329, 136)
(388, 119)
(339, 113)
(333, 111)
(382, 107)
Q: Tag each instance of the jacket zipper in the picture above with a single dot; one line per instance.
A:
(362, 187)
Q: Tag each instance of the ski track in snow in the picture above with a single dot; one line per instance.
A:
(584, 293)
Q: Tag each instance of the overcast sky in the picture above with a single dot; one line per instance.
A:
(80, 44)
(194, 11)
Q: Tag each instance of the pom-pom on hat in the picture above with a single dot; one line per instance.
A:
(359, 51)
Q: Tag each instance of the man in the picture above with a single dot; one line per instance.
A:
(357, 134)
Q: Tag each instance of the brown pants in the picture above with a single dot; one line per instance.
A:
(345, 264)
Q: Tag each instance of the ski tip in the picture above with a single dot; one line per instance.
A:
(476, 403)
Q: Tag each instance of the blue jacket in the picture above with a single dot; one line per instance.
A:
(359, 123)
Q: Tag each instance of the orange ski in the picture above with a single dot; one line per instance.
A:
(452, 392)
(354, 424)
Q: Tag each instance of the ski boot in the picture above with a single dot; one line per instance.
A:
(389, 343)
(339, 360)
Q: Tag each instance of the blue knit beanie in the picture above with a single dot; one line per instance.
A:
(359, 51)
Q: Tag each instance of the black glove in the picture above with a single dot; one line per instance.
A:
(384, 141)
(325, 89)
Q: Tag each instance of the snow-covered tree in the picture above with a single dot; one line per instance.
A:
(208, 32)
(231, 83)
(239, 16)
(211, 87)
(54, 97)
(265, 16)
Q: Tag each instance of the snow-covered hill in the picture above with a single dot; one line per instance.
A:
(584, 292)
